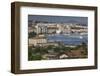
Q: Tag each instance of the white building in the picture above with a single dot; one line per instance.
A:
(53, 28)
(35, 41)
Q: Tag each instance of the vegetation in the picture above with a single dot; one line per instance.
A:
(36, 53)
(31, 34)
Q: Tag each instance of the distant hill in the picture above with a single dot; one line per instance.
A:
(70, 21)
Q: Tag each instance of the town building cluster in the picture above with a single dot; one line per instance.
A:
(57, 28)
(42, 29)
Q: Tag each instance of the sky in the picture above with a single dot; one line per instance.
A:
(58, 19)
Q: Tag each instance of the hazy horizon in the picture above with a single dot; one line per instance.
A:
(58, 19)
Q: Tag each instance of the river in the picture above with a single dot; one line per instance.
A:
(72, 39)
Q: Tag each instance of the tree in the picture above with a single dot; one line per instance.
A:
(84, 46)
(31, 34)
(50, 47)
(30, 52)
(36, 57)
(57, 49)
(34, 54)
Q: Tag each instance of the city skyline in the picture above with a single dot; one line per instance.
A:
(57, 37)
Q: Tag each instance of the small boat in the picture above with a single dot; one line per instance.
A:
(81, 37)
(58, 31)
